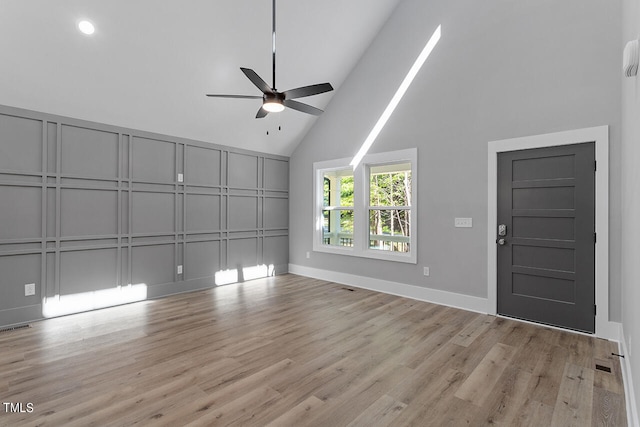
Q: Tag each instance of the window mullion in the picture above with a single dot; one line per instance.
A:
(334, 215)
(360, 203)
(317, 207)
(384, 208)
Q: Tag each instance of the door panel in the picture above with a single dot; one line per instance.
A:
(546, 262)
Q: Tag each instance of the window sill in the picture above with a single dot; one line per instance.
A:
(368, 253)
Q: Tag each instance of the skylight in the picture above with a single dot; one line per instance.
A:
(413, 71)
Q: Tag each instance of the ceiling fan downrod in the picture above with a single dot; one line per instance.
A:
(273, 43)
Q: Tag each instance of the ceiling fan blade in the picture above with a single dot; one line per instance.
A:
(256, 80)
(295, 105)
(235, 96)
(301, 92)
(261, 113)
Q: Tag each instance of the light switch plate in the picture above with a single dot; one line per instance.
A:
(180, 177)
(29, 289)
(463, 222)
(179, 269)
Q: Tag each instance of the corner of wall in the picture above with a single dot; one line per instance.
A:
(629, 390)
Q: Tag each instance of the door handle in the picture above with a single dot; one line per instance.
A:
(501, 242)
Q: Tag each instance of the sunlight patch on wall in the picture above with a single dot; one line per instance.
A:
(227, 277)
(413, 71)
(61, 305)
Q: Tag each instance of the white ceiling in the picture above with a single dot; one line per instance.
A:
(150, 62)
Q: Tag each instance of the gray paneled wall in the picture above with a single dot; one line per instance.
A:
(88, 207)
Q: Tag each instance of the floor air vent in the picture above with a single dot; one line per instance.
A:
(13, 328)
(603, 368)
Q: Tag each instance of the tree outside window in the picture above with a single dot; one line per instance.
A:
(390, 207)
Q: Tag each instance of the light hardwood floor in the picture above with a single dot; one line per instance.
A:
(293, 351)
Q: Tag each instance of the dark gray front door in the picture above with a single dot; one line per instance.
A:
(546, 258)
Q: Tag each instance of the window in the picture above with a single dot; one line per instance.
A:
(337, 208)
(390, 207)
(368, 211)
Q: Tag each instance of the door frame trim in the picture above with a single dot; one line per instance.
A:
(599, 135)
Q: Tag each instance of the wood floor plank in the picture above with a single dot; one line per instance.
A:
(318, 370)
(480, 384)
(127, 407)
(353, 400)
(470, 357)
(607, 408)
(531, 345)
(293, 351)
(473, 329)
(293, 395)
(575, 389)
(548, 375)
(299, 414)
(238, 411)
(503, 404)
(380, 413)
(534, 414)
(228, 390)
(427, 377)
(452, 412)
(433, 400)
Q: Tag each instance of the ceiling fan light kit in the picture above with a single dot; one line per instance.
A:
(272, 100)
(273, 106)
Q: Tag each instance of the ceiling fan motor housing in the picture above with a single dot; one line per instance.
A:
(273, 97)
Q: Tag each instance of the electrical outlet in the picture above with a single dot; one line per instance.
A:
(29, 289)
(308, 255)
(463, 222)
(179, 269)
(426, 271)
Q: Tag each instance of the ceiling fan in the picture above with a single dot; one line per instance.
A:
(272, 100)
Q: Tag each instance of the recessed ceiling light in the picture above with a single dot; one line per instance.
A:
(86, 27)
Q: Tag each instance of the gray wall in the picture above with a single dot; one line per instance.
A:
(502, 69)
(87, 207)
(631, 200)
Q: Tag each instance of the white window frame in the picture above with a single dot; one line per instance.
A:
(361, 205)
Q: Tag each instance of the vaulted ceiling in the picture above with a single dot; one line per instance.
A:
(150, 62)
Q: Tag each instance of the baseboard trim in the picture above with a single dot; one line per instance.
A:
(609, 330)
(630, 398)
(20, 315)
(451, 299)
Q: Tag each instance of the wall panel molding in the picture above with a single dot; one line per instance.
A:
(98, 207)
